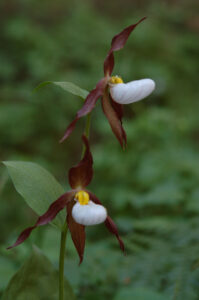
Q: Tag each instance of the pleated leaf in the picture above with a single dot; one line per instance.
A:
(37, 186)
(67, 86)
(37, 279)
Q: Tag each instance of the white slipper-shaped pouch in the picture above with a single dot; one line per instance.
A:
(125, 93)
(89, 214)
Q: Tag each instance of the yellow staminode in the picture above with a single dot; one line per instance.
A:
(116, 80)
(82, 197)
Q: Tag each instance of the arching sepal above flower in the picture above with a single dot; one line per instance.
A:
(118, 42)
(81, 174)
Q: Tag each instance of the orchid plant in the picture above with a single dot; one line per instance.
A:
(83, 208)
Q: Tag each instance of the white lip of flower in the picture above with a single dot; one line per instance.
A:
(86, 212)
(126, 93)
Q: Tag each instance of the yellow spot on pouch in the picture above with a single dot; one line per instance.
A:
(82, 197)
(116, 80)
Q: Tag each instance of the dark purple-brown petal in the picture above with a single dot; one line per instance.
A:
(77, 231)
(46, 218)
(81, 174)
(114, 119)
(113, 229)
(87, 107)
(108, 222)
(118, 43)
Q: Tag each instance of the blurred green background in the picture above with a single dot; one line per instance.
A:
(151, 190)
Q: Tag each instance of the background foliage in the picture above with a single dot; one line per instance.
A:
(151, 190)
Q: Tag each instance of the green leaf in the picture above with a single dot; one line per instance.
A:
(67, 86)
(144, 293)
(6, 271)
(37, 186)
(37, 279)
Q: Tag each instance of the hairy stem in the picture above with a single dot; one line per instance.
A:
(61, 261)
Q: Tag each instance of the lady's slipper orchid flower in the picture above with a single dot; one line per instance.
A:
(113, 92)
(83, 207)
(125, 93)
(86, 212)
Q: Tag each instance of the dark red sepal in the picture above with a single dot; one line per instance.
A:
(81, 174)
(108, 222)
(118, 108)
(118, 43)
(46, 218)
(87, 107)
(77, 231)
(114, 118)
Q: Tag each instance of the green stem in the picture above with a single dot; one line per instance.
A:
(61, 262)
(64, 231)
